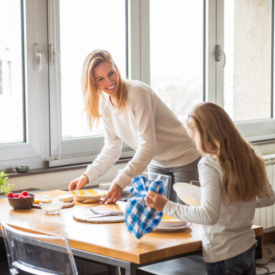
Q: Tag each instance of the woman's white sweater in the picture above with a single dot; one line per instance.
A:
(149, 127)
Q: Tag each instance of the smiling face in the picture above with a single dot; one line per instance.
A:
(106, 78)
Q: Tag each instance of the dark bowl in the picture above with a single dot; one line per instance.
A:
(22, 169)
(24, 203)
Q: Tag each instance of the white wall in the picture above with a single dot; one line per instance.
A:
(59, 180)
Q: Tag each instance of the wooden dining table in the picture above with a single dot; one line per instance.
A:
(110, 244)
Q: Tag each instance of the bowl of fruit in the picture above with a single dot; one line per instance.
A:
(22, 200)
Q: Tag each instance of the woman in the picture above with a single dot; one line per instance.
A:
(233, 183)
(132, 113)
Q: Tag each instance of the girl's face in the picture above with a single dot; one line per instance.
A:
(193, 134)
(106, 78)
(197, 140)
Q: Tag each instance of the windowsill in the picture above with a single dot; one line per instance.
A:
(57, 169)
(263, 142)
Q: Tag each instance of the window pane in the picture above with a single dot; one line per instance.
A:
(247, 47)
(11, 88)
(86, 25)
(177, 53)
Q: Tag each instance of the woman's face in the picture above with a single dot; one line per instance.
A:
(106, 78)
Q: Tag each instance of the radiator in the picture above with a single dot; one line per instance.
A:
(266, 216)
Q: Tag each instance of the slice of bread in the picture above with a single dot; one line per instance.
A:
(65, 198)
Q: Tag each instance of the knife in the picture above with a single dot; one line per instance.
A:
(104, 215)
(108, 212)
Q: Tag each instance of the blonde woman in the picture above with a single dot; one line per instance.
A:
(132, 113)
(233, 183)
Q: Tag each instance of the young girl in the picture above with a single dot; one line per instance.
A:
(233, 183)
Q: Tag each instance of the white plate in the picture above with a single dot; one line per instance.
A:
(188, 193)
(167, 221)
(176, 228)
(83, 195)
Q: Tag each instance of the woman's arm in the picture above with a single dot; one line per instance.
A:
(143, 107)
(108, 156)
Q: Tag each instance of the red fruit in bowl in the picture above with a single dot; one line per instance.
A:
(25, 193)
(15, 195)
(10, 195)
(21, 197)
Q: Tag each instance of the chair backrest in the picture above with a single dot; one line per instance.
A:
(37, 254)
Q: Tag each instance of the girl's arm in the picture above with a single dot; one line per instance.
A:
(209, 211)
(143, 108)
(108, 156)
(266, 201)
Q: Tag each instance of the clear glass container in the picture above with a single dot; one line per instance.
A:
(51, 208)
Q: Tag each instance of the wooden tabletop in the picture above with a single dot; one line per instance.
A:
(111, 240)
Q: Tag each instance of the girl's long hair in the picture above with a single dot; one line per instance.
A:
(243, 172)
(91, 93)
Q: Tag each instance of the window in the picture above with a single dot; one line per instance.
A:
(247, 74)
(176, 53)
(11, 69)
(244, 87)
(1, 78)
(168, 44)
(96, 32)
(69, 135)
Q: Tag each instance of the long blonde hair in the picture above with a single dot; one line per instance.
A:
(91, 93)
(243, 172)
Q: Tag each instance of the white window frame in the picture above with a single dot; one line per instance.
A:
(78, 150)
(33, 151)
(254, 130)
(42, 120)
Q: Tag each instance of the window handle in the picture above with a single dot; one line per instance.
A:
(54, 57)
(218, 54)
(38, 58)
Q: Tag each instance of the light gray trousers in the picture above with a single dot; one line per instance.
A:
(184, 173)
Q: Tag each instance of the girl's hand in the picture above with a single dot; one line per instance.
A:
(155, 200)
(113, 194)
(78, 183)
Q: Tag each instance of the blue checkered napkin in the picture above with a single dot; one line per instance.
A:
(139, 218)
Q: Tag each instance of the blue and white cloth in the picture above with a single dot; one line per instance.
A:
(139, 218)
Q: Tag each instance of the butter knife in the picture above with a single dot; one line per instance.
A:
(115, 213)
(104, 215)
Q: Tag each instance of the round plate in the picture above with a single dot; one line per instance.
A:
(167, 221)
(170, 229)
(188, 193)
(84, 216)
(88, 194)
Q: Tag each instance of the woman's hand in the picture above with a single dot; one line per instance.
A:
(78, 183)
(155, 200)
(113, 194)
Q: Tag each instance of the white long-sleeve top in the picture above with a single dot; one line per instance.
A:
(226, 229)
(149, 127)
